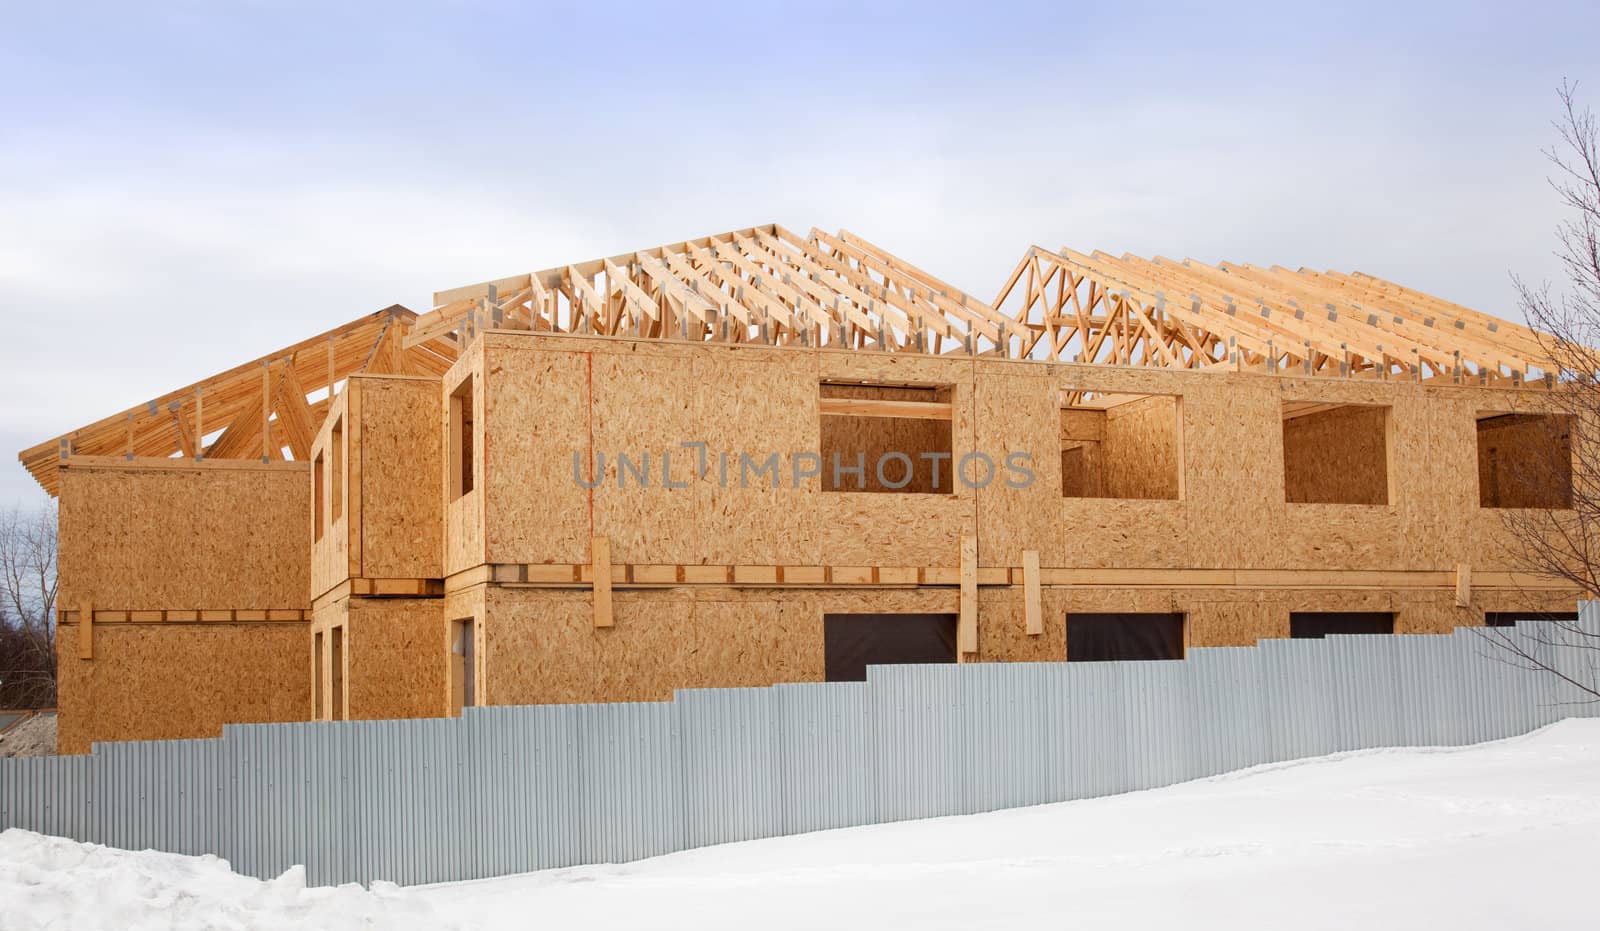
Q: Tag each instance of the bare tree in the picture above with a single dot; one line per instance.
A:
(27, 608)
(1551, 488)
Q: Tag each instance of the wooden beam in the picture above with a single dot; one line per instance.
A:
(967, 627)
(867, 407)
(1032, 600)
(85, 630)
(1463, 585)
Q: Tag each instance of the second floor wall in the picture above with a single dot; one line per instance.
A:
(1092, 466)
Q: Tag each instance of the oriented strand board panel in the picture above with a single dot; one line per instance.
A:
(401, 460)
(464, 526)
(1018, 429)
(545, 650)
(534, 420)
(397, 665)
(164, 681)
(758, 409)
(330, 552)
(1142, 458)
(643, 409)
(204, 535)
(1337, 456)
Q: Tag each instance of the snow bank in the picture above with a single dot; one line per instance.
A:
(50, 882)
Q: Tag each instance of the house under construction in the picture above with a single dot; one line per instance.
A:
(763, 457)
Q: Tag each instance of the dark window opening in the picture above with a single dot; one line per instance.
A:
(1524, 460)
(1510, 618)
(319, 704)
(336, 664)
(1126, 636)
(887, 438)
(1121, 446)
(462, 473)
(1319, 624)
(462, 666)
(336, 468)
(1335, 453)
(319, 496)
(852, 642)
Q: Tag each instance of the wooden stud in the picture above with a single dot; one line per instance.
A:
(967, 627)
(1463, 585)
(85, 630)
(1032, 599)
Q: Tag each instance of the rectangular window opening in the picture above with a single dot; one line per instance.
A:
(886, 438)
(336, 469)
(1524, 460)
(1121, 445)
(319, 703)
(462, 686)
(1304, 625)
(461, 458)
(1510, 618)
(852, 642)
(1124, 636)
(336, 664)
(319, 497)
(1335, 453)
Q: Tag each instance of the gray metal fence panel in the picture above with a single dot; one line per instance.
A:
(510, 789)
(630, 789)
(825, 739)
(524, 772)
(916, 737)
(731, 778)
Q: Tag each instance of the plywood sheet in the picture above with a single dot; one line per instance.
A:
(401, 462)
(211, 536)
(165, 681)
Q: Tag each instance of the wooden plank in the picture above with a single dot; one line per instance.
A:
(600, 568)
(897, 575)
(755, 575)
(967, 628)
(1463, 585)
(354, 440)
(85, 630)
(1032, 597)
(852, 575)
(864, 407)
(705, 575)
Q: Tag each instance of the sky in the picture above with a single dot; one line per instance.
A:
(185, 186)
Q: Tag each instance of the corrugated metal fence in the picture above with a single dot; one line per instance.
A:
(510, 789)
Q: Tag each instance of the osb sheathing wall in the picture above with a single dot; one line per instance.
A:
(545, 399)
(391, 516)
(1337, 455)
(160, 534)
(542, 646)
(158, 539)
(392, 665)
(464, 514)
(175, 680)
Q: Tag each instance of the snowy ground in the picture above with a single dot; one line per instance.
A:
(1494, 836)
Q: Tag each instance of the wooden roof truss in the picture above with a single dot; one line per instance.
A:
(267, 409)
(1127, 310)
(769, 286)
(764, 285)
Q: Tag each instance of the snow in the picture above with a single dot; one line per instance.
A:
(1499, 835)
(51, 882)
